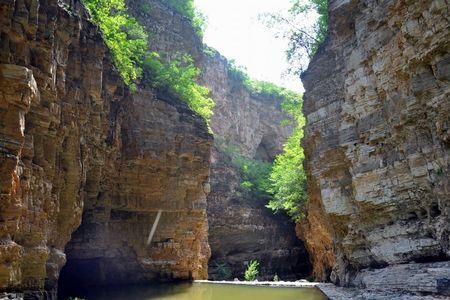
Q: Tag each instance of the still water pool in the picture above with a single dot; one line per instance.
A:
(203, 291)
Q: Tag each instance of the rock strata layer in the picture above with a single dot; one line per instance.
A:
(76, 147)
(241, 228)
(377, 144)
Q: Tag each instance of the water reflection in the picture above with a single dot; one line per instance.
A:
(205, 292)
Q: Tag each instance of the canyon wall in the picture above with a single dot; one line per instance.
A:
(76, 147)
(241, 228)
(377, 144)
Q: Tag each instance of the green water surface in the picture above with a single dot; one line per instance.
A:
(204, 291)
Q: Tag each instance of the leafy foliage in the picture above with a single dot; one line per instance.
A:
(320, 28)
(255, 174)
(123, 35)
(237, 72)
(257, 87)
(210, 51)
(128, 42)
(252, 272)
(288, 178)
(187, 9)
(270, 90)
(178, 76)
(283, 183)
(304, 39)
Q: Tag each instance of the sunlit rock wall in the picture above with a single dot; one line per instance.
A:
(77, 148)
(241, 228)
(377, 144)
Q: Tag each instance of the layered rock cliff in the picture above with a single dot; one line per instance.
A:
(76, 147)
(377, 144)
(241, 228)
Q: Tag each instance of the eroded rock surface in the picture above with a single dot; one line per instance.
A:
(77, 148)
(377, 146)
(241, 228)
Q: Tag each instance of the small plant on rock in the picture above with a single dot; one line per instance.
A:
(252, 271)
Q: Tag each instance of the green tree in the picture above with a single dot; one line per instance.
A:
(304, 39)
(288, 178)
(252, 272)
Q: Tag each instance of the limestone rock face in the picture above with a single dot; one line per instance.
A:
(377, 146)
(241, 228)
(248, 121)
(76, 147)
(170, 32)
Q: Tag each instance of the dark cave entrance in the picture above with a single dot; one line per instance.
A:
(93, 263)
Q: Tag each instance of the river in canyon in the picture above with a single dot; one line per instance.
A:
(201, 291)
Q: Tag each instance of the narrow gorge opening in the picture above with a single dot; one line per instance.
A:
(133, 153)
(125, 91)
(156, 159)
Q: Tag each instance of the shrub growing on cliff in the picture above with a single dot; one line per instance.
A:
(304, 38)
(128, 42)
(237, 72)
(258, 87)
(288, 178)
(252, 272)
(255, 175)
(179, 77)
(210, 51)
(270, 90)
(123, 34)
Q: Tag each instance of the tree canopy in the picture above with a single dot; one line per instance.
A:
(304, 37)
